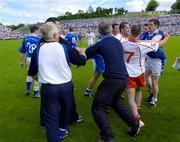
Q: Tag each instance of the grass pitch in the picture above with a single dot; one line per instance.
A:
(19, 114)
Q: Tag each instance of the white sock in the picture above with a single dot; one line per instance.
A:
(154, 99)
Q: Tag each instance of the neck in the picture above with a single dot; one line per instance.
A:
(151, 32)
(135, 37)
(34, 33)
(51, 40)
(124, 34)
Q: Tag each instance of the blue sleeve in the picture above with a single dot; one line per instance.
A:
(75, 57)
(66, 37)
(93, 50)
(161, 33)
(22, 49)
(63, 41)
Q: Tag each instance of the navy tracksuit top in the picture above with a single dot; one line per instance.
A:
(112, 53)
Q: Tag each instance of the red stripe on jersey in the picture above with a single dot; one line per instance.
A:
(133, 40)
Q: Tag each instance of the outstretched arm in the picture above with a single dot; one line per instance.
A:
(162, 42)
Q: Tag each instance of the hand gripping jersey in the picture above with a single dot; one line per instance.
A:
(29, 45)
(135, 51)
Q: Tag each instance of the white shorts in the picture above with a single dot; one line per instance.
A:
(28, 61)
(154, 65)
(90, 43)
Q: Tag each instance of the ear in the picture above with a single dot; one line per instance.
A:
(56, 36)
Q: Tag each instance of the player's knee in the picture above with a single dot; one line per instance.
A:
(155, 84)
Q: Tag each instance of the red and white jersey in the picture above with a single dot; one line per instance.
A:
(121, 37)
(135, 51)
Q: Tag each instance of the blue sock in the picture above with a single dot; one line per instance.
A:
(28, 86)
(36, 92)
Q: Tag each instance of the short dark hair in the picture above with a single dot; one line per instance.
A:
(136, 30)
(104, 28)
(114, 24)
(33, 28)
(156, 22)
(122, 25)
(71, 28)
(52, 19)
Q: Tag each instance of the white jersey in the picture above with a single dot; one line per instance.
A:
(135, 51)
(53, 65)
(121, 37)
(90, 38)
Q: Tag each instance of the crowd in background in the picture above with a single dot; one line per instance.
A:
(7, 33)
(169, 24)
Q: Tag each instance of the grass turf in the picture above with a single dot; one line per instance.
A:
(19, 114)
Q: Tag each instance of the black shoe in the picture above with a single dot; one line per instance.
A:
(27, 93)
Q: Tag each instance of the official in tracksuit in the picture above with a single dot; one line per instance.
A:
(114, 83)
(50, 65)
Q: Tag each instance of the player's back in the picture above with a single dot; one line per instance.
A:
(134, 57)
(29, 44)
(72, 39)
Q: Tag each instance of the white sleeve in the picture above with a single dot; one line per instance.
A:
(148, 46)
(120, 38)
(157, 38)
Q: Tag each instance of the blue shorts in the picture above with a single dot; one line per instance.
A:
(98, 64)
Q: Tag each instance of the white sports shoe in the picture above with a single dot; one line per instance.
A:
(153, 104)
(133, 131)
(141, 124)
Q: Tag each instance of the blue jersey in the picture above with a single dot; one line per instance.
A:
(100, 66)
(143, 36)
(72, 39)
(159, 53)
(29, 45)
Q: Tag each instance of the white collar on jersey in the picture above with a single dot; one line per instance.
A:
(157, 30)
